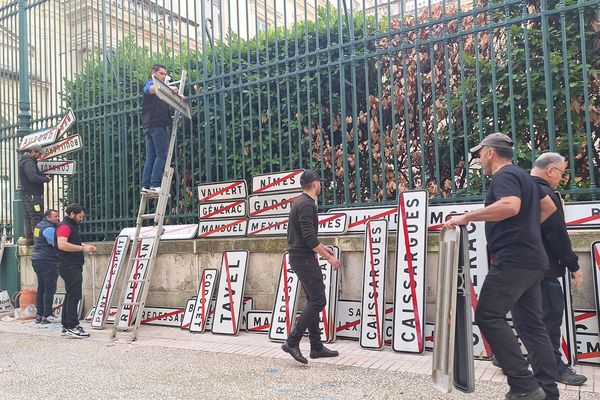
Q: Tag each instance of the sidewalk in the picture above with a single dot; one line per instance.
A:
(403, 375)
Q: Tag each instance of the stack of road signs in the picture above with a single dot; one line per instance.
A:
(54, 144)
(453, 350)
(223, 209)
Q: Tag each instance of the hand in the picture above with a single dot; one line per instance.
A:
(456, 220)
(335, 263)
(88, 248)
(576, 279)
(330, 250)
(174, 89)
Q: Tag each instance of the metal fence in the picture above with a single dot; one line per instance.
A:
(380, 96)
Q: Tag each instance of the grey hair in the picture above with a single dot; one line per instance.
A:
(547, 160)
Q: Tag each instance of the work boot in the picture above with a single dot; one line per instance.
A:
(324, 352)
(38, 319)
(537, 394)
(570, 377)
(294, 352)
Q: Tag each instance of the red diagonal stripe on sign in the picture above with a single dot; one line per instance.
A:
(281, 203)
(137, 268)
(585, 356)
(260, 327)
(596, 256)
(52, 168)
(375, 296)
(266, 228)
(161, 316)
(435, 227)
(325, 322)
(332, 218)
(221, 228)
(411, 273)
(565, 348)
(203, 299)
(286, 298)
(58, 307)
(55, 149)
(112, 272)
(584, 220)
(348, 325)
(231, 303)
(376, 216)
(185, 326)
(486, 345)
(218, 192)
(586, 315)
(223, 209)
(276, 181)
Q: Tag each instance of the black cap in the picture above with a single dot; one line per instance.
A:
(309, 176)
(497, 140)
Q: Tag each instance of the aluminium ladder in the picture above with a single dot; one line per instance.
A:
(131, 307)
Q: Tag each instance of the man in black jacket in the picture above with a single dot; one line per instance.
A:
(43, 261)
(548, 170)
(32, 182)
(304, 247)
(70, 267)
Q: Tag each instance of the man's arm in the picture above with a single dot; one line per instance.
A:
(500, 210)
(32, 174)
(64, 245)
(48, 234)
(547, 208)
(305, 218)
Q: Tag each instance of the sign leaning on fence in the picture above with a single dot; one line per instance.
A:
(230, 292)
(66, 167)
(409, 294)
(110, 279)
(62, 147)
(373, 293)
(48, 136)
(222, 191)
(277, 182)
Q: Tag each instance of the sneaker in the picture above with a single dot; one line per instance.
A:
(144, 190)
(77, 332)
(38, 319)
(570, 377)
(50, 319)
(537, 394)
(154, 189)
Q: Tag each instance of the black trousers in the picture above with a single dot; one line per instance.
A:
(518, 290)
(47, 274)
(34, 213)
(310, 276)
(73, 277)
(553, 307)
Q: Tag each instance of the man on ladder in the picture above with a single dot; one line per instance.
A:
(156, 121)
(158, 174)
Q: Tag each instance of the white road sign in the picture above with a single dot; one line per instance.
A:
(49, 135)
(230, 292)
(359, 216)
(57, 167)
(226, 209)
(203, 299)
(286, 302)
(211, 228)
(64, 146)
(271, 204)
(164, 92)
(222, 191)
(277, 181)
(171, 232)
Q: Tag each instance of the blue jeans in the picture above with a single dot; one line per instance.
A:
(157, 147)
(47, 274)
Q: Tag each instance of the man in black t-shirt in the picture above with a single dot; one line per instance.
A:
(304, 247)
(514, 209)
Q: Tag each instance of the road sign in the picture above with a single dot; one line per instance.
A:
(271, 204)
(203, 299)
(277, 182)
(209, 228)
(66, 167)
(286, 302)
(226, 209)
(49, 135)
(64, 146)
(164, 92)
(230, 292)
(222, 191)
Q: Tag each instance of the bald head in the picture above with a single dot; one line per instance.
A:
(550, 167)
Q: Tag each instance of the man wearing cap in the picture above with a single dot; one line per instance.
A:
(32, 180)
(304, 248)
(514, 209)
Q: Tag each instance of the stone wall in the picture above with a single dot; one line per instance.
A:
(180, 264)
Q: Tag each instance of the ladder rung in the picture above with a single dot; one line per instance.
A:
(147, 216)
(150, 194)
